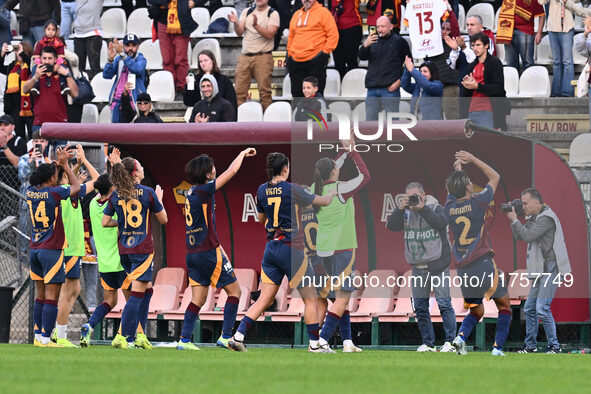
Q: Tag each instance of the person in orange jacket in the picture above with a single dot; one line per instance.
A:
(313, 35)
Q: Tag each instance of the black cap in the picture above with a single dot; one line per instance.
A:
(144, 97)
(7, 119)
(131, 38)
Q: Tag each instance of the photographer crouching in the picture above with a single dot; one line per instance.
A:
(546, 259)
(427, 250)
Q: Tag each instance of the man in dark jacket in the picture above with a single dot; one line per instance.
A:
(427, 250)
(385, 52)
(174, 26)
(33, 15)
(211, 107)
(484, 81)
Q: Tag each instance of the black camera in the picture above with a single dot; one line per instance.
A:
(517, 204)
(414, 200)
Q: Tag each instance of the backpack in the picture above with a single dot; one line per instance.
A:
(85, 92)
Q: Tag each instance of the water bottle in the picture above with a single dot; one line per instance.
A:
(190, 81)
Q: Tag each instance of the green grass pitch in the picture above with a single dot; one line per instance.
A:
(26, 369)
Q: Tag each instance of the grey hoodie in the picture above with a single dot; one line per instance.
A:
(217, 109)
(214, 84)
(88, 16)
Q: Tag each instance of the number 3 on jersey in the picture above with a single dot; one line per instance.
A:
(276, 202)
(132, 210)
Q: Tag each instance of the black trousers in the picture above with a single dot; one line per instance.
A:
(128, 6)
(91, 47)
(345, 54)
(23, 126)
(315, 67)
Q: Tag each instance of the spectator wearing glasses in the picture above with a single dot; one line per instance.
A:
(145, 108)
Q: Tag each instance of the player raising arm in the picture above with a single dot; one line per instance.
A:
(207, 262)
(133, 203)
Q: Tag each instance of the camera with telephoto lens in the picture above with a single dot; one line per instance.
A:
(414, 200)
(517, 204)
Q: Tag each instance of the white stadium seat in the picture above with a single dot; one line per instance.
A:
(279, 111)
(580, 150)
(462, 18)
(223, 13)
(286, 89)
(485, 11)
(201, 16)
(101, 88)
(543, 51)
(333, 83)
(496, 25)
(187, 115)
(207, 43)
(250, 111)
(501, 53)
(90, 114)
(139, 23)
(112, 3)
(105, 115)
(511, 81)
(534, 82)
(151, 51)
(3, 80)
(578, 59)
(341, 107)
(360, 111)
(161, 87)
(114, 23)
(353, 84)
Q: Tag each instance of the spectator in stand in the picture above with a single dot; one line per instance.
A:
(312, 100)
(50, 85)
(484, 81)
(560, 25)
(516, 30)
(390, 8)
(145, 110)
(348, 19)
(12, 148)
(68, 15)
(426, 91)
(474, 25)
(313, 35)
(50, 39)
(18, 105)
(87, 35)
(386, 52)
(33, 15)
(211, 107)
(207, 65)
(259, 24)
(583, 48)
(173, 21)
(133, 63)
(128, 6)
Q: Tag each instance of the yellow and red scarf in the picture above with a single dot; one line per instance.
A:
(173, 25)
(17, 77)
(506, 22)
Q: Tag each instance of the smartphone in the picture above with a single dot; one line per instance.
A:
(39, 148)
(372, 30)
(131, 79)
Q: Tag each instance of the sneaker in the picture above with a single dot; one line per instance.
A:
(141, 341)
(320, 349)
(351, 349)
(460, 346)
(553, 350)
(425, 348)
(497, 352)
(446, 348)
(36, 343)
(85, 332)
(50, 344)
(326, 348)
(236, 345)
(64, 342)
(186, 346)
(53, 337)
(120, 342)
(528, 350)
(223, 342)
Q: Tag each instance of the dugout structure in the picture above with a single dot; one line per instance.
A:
(164, 149)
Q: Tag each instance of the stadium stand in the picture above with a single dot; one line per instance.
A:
(114, 23)
(165, 298)
(543, 55)
(223, 13)
(534, 82)
(139, 23)
(161, 86)
(175, 276)
(151, 51)
(201, 16)
(90, 113)
(101, 88)
(511, 81)
(485, 11)
(250, 111)
(353, 84)
(333, 83)
(208, 43)
(279, 111)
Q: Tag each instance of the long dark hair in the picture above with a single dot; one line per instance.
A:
(42, 174)
(197, 169)
(432, 69)
(322, 172)
(122, 177)
(275, 163)
(214, 69)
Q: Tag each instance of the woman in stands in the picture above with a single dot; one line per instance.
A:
(426, 91)
(48, 241)
(208, 65)
(207, 263)
(133, 203)
(278, 204)
(336, 239)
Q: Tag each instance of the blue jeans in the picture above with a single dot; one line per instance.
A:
(35, 34)
(522, 45)
(482, 118)
(420, 298)
(378, 99)
(68, 14)
(537, 307)
(561, 45)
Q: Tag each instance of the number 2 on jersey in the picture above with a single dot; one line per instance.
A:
(132, 211)
(276, 202)
(466, 222)
(40, 214)
(425, 17)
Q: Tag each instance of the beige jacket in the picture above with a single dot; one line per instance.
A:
(554, 21)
